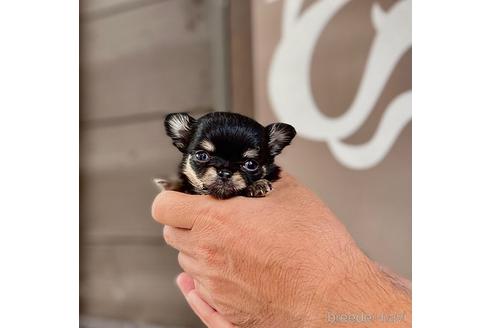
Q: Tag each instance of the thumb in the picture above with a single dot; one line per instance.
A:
(178, 209)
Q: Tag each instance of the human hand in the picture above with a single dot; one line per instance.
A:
(280, 261)
(204, 311)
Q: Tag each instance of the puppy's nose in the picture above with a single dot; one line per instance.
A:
(223, 173)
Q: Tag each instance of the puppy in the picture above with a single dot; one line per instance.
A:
(226, 154)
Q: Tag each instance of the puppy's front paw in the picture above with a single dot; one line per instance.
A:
(259, 188)
(174, 184)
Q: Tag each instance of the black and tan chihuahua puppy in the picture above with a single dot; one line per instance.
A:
(226, 154)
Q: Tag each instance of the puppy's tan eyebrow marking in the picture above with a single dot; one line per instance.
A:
(251, 153)
(207, 145)
(190, 173)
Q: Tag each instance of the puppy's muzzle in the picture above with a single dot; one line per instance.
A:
(224, 174)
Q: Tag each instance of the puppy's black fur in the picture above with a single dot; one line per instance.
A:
(227, 154)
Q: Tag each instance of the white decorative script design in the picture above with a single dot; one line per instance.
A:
(289, 85)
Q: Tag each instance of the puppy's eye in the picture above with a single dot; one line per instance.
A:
(250, 165)
(202, 156)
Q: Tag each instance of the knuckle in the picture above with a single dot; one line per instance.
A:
(214, 286)
(220, 287)
(208, 254)
(221, 217)
(209, 221)
(181, 261)
(212, 256)
(167, 234)
(216, 214)
(200, 218)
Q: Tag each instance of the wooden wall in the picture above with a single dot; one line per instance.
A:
(139, 59)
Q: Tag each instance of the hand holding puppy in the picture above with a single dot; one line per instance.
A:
(280, 261)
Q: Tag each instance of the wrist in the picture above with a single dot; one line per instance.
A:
(366, 295)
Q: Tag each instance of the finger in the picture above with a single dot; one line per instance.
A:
(188, 264)
(205, 312)
(178, 209)
(203, 293)
(185, 283)
(191, 267)
(178, 238)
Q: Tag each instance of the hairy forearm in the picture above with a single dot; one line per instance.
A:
(369, 296)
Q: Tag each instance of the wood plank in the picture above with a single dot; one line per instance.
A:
(151, 59)
(98, 322)
(115, 208)
(94, 6)
(97, 9)
(128, 146)
(133, 282)
(172, 22)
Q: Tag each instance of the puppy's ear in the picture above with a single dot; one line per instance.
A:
(279, 136)
(180, 127)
